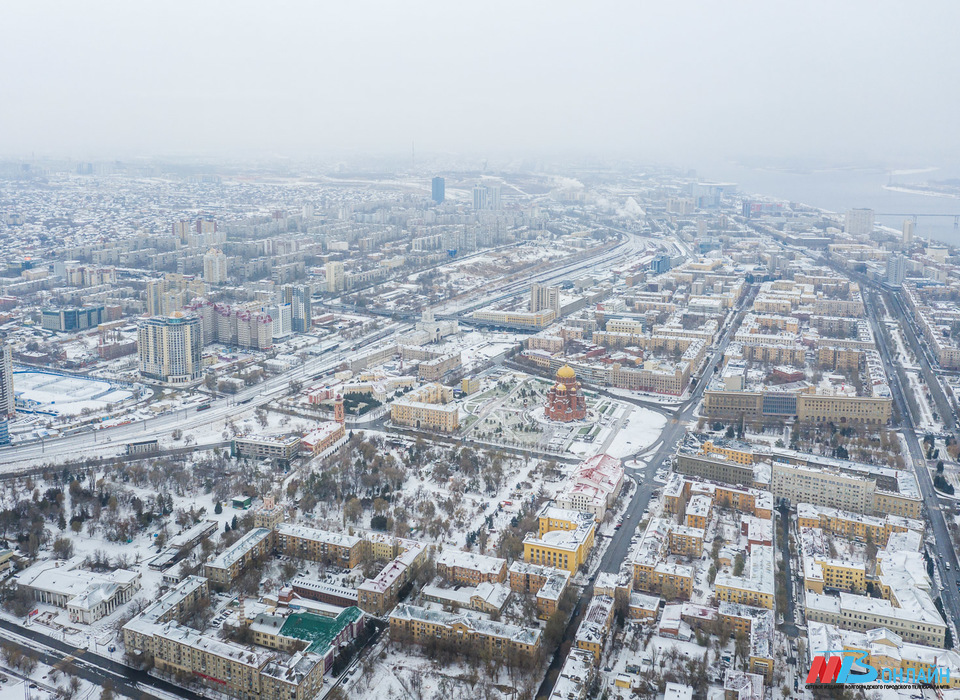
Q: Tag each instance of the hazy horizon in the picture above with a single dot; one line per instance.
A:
(681, 83)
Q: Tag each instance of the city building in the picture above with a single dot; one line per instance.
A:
(593, 487)
(544, 297)
(86, 595)
(230, 563)
(430, 407)
(214, 267)
(468, 631)
(8, 407)
(335, 275)
(470, 568)
(595, 626)
(908, 228)
(845, 485)
(282, 448)
(301, 304)
(896, 270)
(170, 349)
(378, 595)
(481, 197)
(565, 399)
(319, 545)
(438, 189)
(564, 538)
(547, 582)
(755, 587)
(69, 320)
(858, 223)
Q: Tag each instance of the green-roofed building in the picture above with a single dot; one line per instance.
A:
(321, 632)
(322, 635)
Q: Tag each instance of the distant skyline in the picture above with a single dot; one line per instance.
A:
(689, 83)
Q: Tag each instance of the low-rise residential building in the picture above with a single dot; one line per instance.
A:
(758, 624)
(319, 545)
(467, 631)
(231, 562)
(643, 607)
(898, 659)
(379, 594)
(549, 584)
(178, 602)
(756, 586)
(855, 525)
(485, 597)
(652, 572)
(820, 570)
(906, 607)
(576, 676)
(595, 626)
(470, 568)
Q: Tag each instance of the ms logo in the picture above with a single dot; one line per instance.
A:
(840, 669)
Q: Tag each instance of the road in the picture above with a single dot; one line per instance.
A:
(674, 431)
(947, 416)
(931, 503)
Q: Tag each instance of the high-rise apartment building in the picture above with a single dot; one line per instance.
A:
(335, 276)
(493, 197)
(7, 406)
(199, 226)
(543, 297)
(859, 222)
(170, 349)
(480, 197)
(438, 190)
(896, 270)
(908, 226)
(214, 267)
(282, 320)
(302, 309)
(167, 296)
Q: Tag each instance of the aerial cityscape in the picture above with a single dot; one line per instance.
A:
(418, 423)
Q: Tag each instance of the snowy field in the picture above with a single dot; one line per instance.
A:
(67, 396)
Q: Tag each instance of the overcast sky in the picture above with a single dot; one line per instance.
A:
(668, 80)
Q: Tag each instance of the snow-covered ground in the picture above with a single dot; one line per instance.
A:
(69, 396)
(641, 429)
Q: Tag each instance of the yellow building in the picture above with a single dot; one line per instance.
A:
(734, 450)
(651, 572)
(755, 586)
(318, 545)
(231, 562)
(429, 407)
(525, 319)
(469, 633)
(687, 541)
(595, 626)
(855, 525)
(758, 624)
(564, 539)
